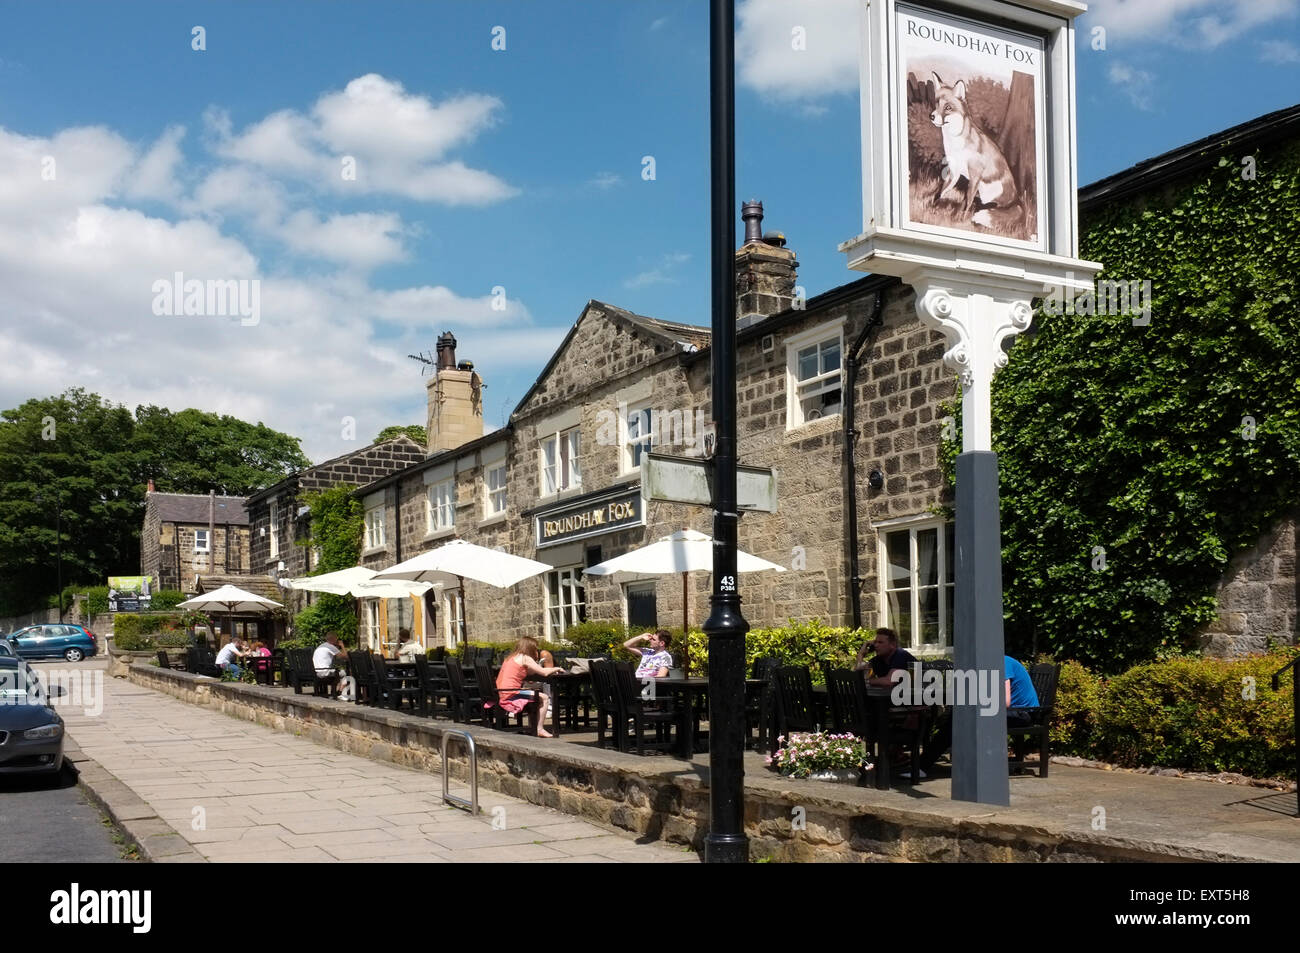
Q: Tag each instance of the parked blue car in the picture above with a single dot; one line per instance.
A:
(54, 640)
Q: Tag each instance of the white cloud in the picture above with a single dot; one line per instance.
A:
(1198, 24)
(767, 62)
(398, 142)
(78, 266)
(605, 180)
(661, 274)
(1280, 51)
(1137, 84)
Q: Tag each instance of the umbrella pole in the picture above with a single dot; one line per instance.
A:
(686, 637)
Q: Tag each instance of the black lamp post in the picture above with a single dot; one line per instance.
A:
(58, 546)
(726, 627)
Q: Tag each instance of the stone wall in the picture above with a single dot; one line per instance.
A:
(1258, 595)
(662, 798)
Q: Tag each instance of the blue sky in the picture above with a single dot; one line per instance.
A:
(519, 169)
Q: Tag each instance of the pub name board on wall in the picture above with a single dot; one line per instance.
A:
(590, 518)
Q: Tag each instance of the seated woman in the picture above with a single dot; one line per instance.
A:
(260, 650)
(513, 697)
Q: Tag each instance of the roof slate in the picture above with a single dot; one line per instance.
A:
(193, 508)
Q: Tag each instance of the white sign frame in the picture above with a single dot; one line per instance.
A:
(884, 123)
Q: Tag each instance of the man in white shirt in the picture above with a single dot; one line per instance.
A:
(234, 649)
(323, 658)
(407, 647)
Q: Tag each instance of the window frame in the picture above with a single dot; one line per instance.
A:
(568, 461)
(434, 511)
(577, 608)
(795, 414)
(374, 534)
(453, 618)
(206, 548)
(627, 441)
(945, 581)
(489, 492)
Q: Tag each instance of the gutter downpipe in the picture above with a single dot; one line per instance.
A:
(866, 336)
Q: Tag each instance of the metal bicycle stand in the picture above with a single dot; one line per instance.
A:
(447, 798)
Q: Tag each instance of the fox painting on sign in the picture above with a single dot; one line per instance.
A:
(973, 126)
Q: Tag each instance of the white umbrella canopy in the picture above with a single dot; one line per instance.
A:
(360, 582)
(464, 560)
(683, 551)
(232, 599)
(459, 560)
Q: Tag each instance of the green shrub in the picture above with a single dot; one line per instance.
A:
(164, 599)
(1079, 697)
(329, 613)
(812, 644)
(1199, 715)
(96, 600)
(594, 638)
(458, 650)
(131, 642)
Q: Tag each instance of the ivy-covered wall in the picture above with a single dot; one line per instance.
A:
(1136, 461)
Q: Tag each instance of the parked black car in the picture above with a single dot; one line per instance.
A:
(31, 731)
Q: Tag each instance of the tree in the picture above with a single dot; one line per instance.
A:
(414, 431)
(82, 462)
(193, 451)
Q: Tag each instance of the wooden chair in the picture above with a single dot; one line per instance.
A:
(395, 689)
(201, 661)
(302, 672)
(634, 709)
(464, 694)
(605, 695)
(796, 707)
(1038, 731)
(434, 683)
(760, 702)
(493, 714)
(263, 669)
(851, 709)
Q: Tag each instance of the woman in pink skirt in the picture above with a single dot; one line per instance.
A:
(514, 698)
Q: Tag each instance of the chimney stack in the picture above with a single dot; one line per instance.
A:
(766, 271)
(151, 487)
(455, 400)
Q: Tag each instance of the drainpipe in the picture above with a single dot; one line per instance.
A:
(212, 528)
(866, 337)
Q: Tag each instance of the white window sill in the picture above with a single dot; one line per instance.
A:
(374, 550)
(814, 427)
(562, 495)
(439, 534)
(493, 519)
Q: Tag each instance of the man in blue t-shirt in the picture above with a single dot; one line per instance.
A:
(1020, 693)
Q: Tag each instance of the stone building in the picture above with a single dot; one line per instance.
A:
(185, 534)
(277, 517)
(844, 395)
(561, 482)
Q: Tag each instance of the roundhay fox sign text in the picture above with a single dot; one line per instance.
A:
(968, 125)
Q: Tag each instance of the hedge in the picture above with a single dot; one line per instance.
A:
(1195, 714)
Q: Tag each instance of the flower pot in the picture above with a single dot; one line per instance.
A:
(835, 774)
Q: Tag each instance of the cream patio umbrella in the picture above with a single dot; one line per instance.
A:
(684, 552)
(460, 560)
(360, 582)
(232, 599)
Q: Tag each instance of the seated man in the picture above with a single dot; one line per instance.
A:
(323, 658)
(889, 658)
(234, 649)
(655, 660)
(407, 647)
(1020, 693)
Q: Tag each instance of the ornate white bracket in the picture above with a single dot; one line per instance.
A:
(975, 323)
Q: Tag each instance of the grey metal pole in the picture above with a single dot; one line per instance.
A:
(726, 626)
(979, 740)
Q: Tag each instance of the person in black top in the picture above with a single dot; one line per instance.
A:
(888, 659)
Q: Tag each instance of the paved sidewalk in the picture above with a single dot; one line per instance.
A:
(237, 791)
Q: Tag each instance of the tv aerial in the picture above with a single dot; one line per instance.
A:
(425, 358)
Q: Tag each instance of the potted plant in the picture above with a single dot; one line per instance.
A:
(819, 756)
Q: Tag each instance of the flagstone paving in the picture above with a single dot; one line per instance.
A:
(237, 791)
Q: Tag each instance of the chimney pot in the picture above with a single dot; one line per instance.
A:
(775, 238)
(752, 213)
(446, 351)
